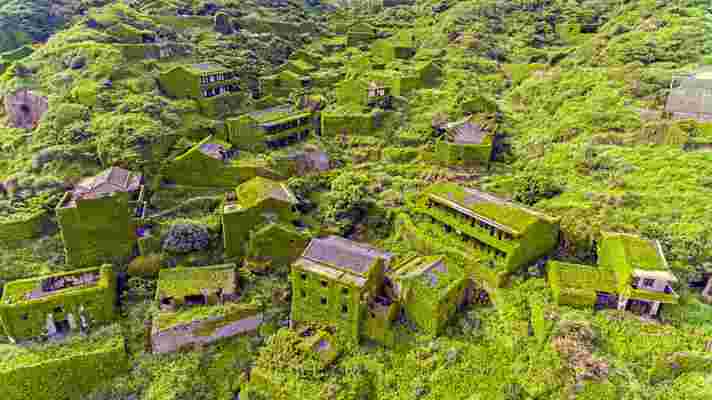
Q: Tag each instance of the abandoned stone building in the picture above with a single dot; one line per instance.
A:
(429, 291)
(364, 92)
(270, 128)
(253, 204)
(464, 143)
(198, 306)
(632, 274)
(58, 304)
(339, 282)
(95, 218)
(691, 96)
(285, 81)
(513, 236)
(199, 81)
(207, 164)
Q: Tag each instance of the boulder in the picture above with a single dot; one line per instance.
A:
(25, 109)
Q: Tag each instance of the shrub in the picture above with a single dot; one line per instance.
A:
(184, 238)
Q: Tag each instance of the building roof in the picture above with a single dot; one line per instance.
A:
(576, 277)
(690, 100)
(344, 255)
(467, 133)
(276, 113)
(48, 286)
(637, 253)
(502, 214)
(217, 151)
(258, 189)
(112, 180)
(206, 68)
(180, 281)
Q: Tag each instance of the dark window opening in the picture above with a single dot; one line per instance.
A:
(24, 317)
(195, 300)
(323, 301)
(303, 276)
(302, 293)
(344, 309)
(167, 300)
(25, 109)
(647, 282)
(324, 284)
(345, 291)
(62, 326)
(58, 309)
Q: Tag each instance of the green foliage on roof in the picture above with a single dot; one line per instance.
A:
(14, 292)
(182, 281)
(258, 189)
(508, 214)
(638, 252)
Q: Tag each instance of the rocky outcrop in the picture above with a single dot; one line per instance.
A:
(24, 109)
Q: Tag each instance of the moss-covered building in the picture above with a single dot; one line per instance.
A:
(214, 163)
(270, 128)
(429, 290)
(632, 275)
(96, 217)
(690, 96)
(284, 82)
(465, 143)
(364, 93)
(401, 46)
(274, 245)
(198, 306)
(58, 304)
(253, 204)
(513, 235)
(339, 282)
(216, 88)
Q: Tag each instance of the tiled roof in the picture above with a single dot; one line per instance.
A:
(207, 68)
(468, 133)
(109, 181)
(259, 189)
(504, 215)
(690, 100)
(344, 254)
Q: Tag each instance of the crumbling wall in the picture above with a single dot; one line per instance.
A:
(97, 230)
(21, 229)
(65, 378)
(24, 109)
(246, 319)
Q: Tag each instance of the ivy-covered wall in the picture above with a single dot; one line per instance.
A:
(316, 298)
(237, 224)
(280, 244)
(96, 230)
(179, 82)
(431, 309)
(338, 123)
(27, 319)
(450, 153)
(65, 378)
(21, 229)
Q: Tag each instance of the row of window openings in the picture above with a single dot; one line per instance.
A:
(286, 125)
(305, 83)
(476, 243)
(205, 79)
(325, 284)
(276, 143)
(323, 301)
(473, 222)
(56, 310)
(216, 91)
(648, 283)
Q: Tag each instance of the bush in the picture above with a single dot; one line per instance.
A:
(184, 238)
(145, 266)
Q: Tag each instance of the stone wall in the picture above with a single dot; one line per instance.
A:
(192, 333)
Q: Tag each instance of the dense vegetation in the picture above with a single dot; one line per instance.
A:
(567, 84)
